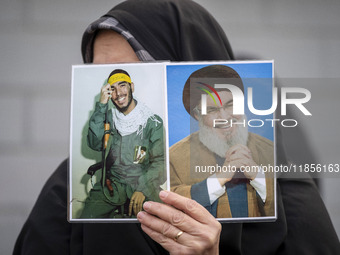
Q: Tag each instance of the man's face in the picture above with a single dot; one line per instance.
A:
(221, 112)
(122, 95)
(220, 138)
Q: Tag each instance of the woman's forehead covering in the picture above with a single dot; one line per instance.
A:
(177, 30)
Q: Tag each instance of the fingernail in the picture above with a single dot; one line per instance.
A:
(163, 194)
(140, 215)
(147, 205)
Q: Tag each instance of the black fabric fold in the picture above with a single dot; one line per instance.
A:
(173, 30)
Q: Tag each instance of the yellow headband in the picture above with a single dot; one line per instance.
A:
(119, 77)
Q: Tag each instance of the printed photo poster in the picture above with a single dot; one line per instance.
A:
(222, 137)
(118, 140)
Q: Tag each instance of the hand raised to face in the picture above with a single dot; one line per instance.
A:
(105, 93)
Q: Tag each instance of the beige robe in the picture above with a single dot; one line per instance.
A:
(181, 179)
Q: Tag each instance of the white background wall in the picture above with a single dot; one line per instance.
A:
(40, 40)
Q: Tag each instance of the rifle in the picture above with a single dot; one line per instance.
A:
(106, 172)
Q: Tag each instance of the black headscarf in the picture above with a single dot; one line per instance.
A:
(176, 30)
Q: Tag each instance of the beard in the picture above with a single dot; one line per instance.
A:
(220, 145)
(123, 109)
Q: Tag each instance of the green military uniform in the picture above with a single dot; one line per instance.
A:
(126, 172)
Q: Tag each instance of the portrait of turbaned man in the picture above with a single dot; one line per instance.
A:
(222, 159)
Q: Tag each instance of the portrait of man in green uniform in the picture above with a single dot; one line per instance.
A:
(134, 151)
(224, 195)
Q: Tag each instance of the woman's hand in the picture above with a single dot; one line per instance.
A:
(181, 225)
